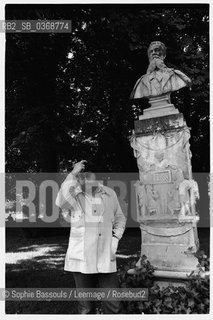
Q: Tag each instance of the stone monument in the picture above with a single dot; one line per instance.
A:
(166, 192)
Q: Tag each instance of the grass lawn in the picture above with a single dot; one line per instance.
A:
(38, 263)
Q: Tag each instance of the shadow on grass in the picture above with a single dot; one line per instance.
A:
(39, 262)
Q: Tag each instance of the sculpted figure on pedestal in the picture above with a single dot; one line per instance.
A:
(152, 200)
(142, 198)
(189, 193)
(159, 79)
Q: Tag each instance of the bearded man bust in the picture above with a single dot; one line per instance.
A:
(159, 79)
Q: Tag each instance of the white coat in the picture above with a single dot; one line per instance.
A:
(91, 232)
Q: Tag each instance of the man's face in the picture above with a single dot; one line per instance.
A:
(86, 179)
(156, 51)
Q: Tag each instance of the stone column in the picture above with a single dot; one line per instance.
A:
(166, 192)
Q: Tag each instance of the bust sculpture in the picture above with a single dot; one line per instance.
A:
(159, 79)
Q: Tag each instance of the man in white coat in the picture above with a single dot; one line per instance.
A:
(97, 225)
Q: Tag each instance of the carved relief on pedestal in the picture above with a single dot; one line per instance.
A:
(165, 187)
(189, 193)
(158, 150)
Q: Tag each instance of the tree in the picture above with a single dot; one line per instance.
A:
(67, 95)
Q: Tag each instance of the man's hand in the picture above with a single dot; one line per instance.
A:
(78, 167)
(114, 248)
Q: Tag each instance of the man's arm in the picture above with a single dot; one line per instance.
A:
(118, 226)
(119, 220)
(66, 195)
(70, 188)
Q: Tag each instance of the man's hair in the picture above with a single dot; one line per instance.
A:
(161, 44)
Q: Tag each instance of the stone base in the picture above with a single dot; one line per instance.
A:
(158, 112)
(164, 283)
(169, 278)
(170, 246)
(160, 106)
(176, 279)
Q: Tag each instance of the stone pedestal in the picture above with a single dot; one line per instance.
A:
(166, 192)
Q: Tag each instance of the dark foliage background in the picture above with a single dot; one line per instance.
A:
(67, 95)
(67, 99)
